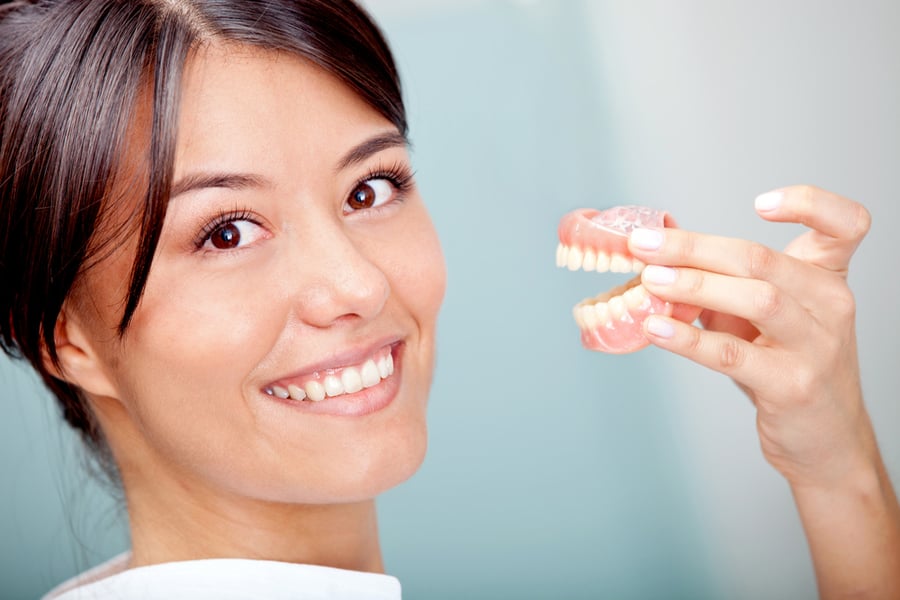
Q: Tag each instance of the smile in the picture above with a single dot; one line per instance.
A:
(597, 241)
(336, 382)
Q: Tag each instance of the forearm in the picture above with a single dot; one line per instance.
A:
(853, 532)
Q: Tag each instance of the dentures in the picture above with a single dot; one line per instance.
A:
(331, 383)
(594, 240)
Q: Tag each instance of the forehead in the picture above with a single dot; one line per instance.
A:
(240, 104)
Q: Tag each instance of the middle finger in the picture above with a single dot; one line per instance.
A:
(776, 314)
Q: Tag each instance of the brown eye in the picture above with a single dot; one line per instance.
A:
(371, 193)
(362, 197)
(226, 237)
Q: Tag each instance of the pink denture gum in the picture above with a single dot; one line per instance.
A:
(597, 240)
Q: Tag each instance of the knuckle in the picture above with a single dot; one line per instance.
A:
(806, 197)
(768, 301)
(731, 355)
(860, 222)
(694, 342)
(843, 303)
(760, 260)
(684, 249)
(802, 380)
(693, 281)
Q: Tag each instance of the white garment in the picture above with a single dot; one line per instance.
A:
(224, 579)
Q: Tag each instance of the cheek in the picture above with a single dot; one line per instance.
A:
(187, 355)
(416, 268)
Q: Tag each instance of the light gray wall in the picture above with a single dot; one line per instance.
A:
(554, 472)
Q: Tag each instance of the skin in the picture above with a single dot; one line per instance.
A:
(781, 325)
(211, 465)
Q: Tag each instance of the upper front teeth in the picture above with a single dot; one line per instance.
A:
(349, 381)
(574, 258)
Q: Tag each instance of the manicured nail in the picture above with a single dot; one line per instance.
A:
(658, 275)
(647, 239)
(660, 327)
(769, 201)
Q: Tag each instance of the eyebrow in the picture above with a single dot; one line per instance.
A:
(239, 181)
(228, 181)
(372, 146)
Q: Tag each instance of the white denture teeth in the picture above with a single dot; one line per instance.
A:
(590, 260)
(280, 392)
(633, 297)
(589, 317)
(579, 316)
(296, 392)
(637, 266)
(562, 255)
(617, 307)
(576, 258)
(382, 367)
(619, 264)
(601, 309)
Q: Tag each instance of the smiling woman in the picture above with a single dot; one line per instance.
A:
(255, 155)
(213, 250)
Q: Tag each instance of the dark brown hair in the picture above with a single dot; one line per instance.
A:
(71, 74)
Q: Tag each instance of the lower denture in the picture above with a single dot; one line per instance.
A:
(595, 240)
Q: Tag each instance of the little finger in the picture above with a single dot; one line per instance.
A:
(839, 224)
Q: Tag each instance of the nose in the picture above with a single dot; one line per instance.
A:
(341, 282)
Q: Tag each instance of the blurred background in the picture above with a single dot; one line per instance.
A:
(554, 472)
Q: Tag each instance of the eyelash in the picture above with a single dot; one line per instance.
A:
(399, 174)
(223, 218)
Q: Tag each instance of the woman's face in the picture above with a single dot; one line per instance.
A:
(296, 253)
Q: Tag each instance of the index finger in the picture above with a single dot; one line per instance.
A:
(820, 210)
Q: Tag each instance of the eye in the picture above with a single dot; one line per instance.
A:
(233, 234)
(371, 193)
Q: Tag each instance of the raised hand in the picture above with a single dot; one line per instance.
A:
(781, 325)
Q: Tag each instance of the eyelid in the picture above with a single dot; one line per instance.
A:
(223, 218)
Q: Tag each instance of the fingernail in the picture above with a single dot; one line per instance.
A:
(769, 201)
(658, 275)
(647, 239)
(660, 327)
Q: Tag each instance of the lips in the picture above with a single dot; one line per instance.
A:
(597, 241)
(353, 383)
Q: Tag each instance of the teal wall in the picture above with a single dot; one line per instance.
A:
(554, 472)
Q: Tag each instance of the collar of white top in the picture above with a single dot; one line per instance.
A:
(225, 579)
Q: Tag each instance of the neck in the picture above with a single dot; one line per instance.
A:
(173, 523)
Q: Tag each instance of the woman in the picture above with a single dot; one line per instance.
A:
(223, 270)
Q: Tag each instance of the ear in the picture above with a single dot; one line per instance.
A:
(79, 363)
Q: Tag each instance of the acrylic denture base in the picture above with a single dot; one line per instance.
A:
(595, 240)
